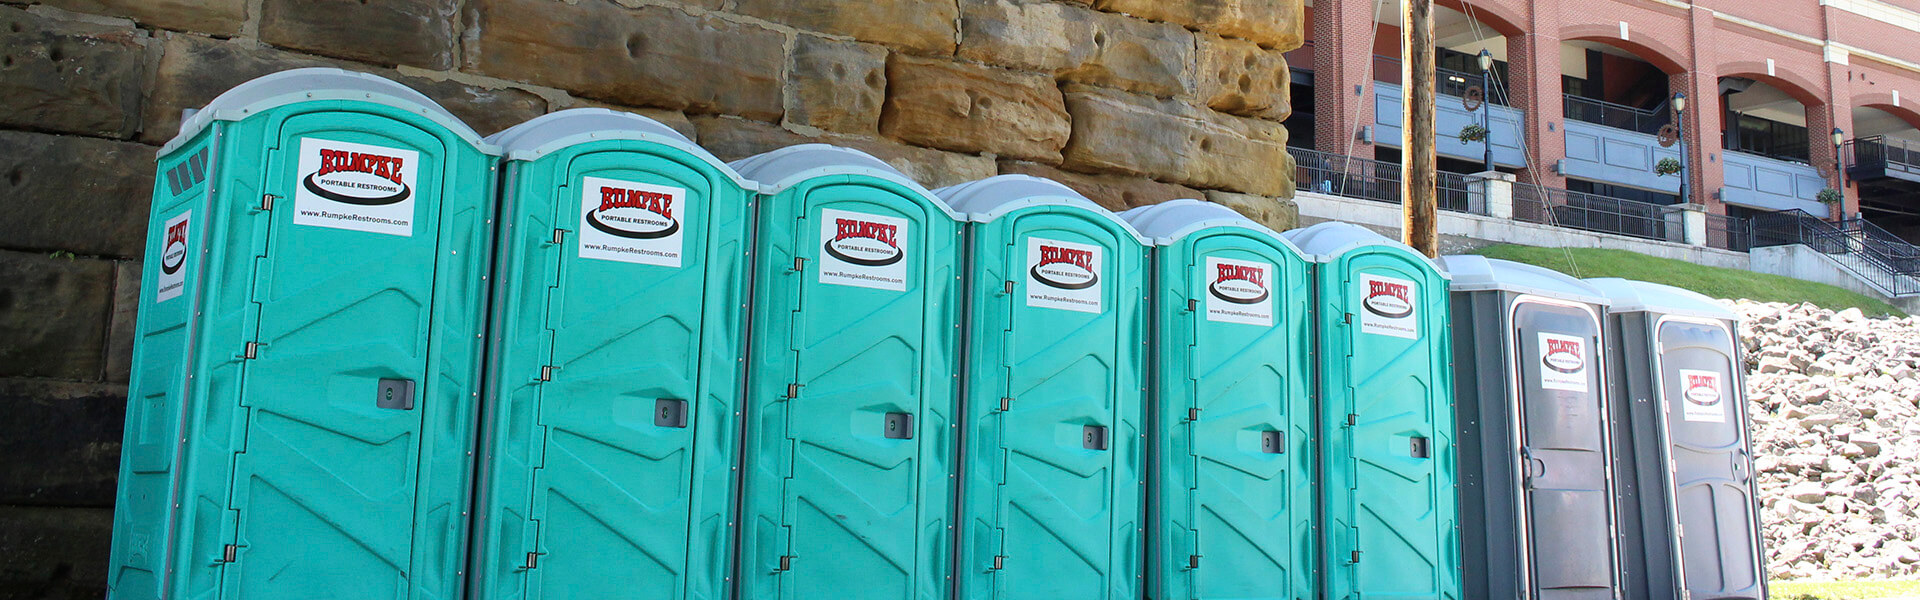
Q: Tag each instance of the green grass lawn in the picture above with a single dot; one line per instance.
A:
(1712, 281)
(1842, 590)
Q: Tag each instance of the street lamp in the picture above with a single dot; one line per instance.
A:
(1839, 164)
(1486, 104)
(1680, 126)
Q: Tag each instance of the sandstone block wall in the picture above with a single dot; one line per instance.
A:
(1130, 101)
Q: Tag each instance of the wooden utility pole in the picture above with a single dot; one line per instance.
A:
(1417, 178)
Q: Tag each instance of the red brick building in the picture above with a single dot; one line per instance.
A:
(1579, 92)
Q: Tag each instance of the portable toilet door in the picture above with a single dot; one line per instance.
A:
(1052, 474)
(854, 377)
(307, 361)
(1386, 429)
(1230, 425)
(1536, 504)
(613, 377)
(1689, 526)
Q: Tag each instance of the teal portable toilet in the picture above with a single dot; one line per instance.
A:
(1230, 427)
(306, 371)
(1053, 475)
(1536, 490)
(1689, 519)
(1386, 427)
(854, 379)
(613, 374)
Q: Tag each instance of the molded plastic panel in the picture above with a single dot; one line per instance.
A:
(1712, 478)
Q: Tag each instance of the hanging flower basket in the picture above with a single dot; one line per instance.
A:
(1666, 166)
(1828, 196)
(1473, 132)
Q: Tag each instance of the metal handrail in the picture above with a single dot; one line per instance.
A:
(1594, 212)
(1617, 116)
(1367, 179)
(1891, 265)
(1879, 151)
(1729, 232)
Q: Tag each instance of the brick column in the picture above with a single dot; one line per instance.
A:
(1837, 113)
(1705, 168)
(1342, 59)
(1533, 70)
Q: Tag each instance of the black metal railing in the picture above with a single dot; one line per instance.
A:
(1729, 233)
(1879, 153)
(1875, 256)
(1446, 81)
(1592, 212)
(1618, 116)
(1333, 174)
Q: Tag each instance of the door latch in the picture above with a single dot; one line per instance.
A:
(899, 426)
(1273, 442)
(395, 394)
(670, 412)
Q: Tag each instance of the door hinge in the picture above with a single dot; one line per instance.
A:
(1192, 304)
(786, 564)
(1009, 287)
(1193, 414)
(251, 352)
(230, 554)
(533, 561)
(1193, 562)
(546, 373)
(1356, 557)
(1006, 404)
(799, 263)
(793, 391)
(999, 562)
(559, 236)
(1347, 318)
(266, 202)
(1353, 419)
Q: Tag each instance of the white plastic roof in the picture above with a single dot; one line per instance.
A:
(1169, 221)
(1479, 273)
(315, 83)
(983, 200)
(780, 169)
(1637, 296)
(1333, 238)
(554, 131)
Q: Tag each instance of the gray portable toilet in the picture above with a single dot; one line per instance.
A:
(307, 362)
(1688, 519)
(608, 453)
(1390, 518)
(1536, 504)
(853, 381)
(1230, 455)
(1053, 436)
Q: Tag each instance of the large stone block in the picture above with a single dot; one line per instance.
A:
(70, 76)
(733, 139)
(920, 26)
(1270, 23)
(421, 33)
(54, 553)
(836, 85)
(647, 56)
(1117, 132)
(193, 70)
(82, 195)
(1078, 44)
(1278, 214)
(1113, 192)
(53, 315)
(973, 108)
(1239, 77)
(62, 442)
(120, 327)
(213, 17)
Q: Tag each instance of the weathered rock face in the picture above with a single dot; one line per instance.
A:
(1167, 140)
(69, 76)
(918, 26)
(1079, 44)
(734, 139)
(647, 56)
(1270, 23)
(836, 85)
(50, 316)
(1278, 214)
(419, 33)
(1836, 427)
(106, 185)
(972, 108)
(1112, 192)
(1238, 77)
(212, 17)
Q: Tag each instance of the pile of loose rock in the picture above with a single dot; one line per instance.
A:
(1835, 400)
